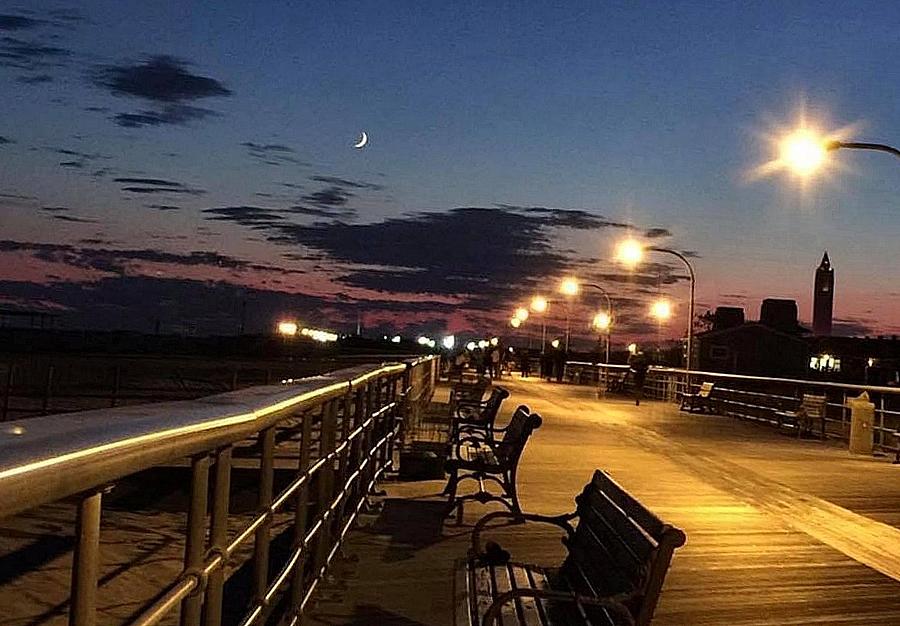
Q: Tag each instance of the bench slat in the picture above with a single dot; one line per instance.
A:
(651, 524)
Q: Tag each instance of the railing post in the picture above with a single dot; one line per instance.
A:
(266, 487)
(218, 537)
(48, 391)
(10, 375)
(86, 561)
(881, 421)
(300, 517)
(326, 484)
(196, 536)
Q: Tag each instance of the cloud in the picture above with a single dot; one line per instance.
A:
(244, 215)
(18, 22)
(313, 212)
(71, 218)
(570, 218)
(30, 55)
(166, 83)
(156, 186)
(657, 233)
(73, 164)
(343, 182)
(174, 114)
(272, 153)
(56, 209)
(5, 140)
(35, 79)
(329, 197)
(852, 327)
(163, 207)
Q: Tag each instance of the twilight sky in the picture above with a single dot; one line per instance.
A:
(171, 161)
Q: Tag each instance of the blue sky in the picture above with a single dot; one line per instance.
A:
(645, 113)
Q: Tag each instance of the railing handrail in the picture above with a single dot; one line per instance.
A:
(45, 459)
(725, 375)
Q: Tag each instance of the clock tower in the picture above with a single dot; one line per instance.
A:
(823, 298)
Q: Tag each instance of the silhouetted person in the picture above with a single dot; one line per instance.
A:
(638, 366)
(559, 364)
(525, 365)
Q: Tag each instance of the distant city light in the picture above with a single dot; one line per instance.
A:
(470, 346)
(448, 342)
(483, 344)
(423, 341)
(661, 310)
(870, 361)
(395, 339)
(569, 287)
(495, 341)
(555, 343)
(602, 320)
(287, 328)
(825, 363)
(629, 252)
(539, 304)
(522, 314)
(632, 348)
(322, 336)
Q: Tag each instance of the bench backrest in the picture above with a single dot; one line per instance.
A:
(492, 406)
(619, 548)
(516, 435)
(705, 390)
(472, 392)
(813, 404)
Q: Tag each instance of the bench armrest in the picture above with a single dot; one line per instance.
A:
(561, 521)
(493, 612)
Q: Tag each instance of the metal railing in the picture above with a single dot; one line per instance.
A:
(340, 428)
(759, 397)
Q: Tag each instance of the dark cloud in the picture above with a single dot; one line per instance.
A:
(56, 209)
(166, 83)
(163, 207)
(118, 261)
(156, 186)
(314, 212)
(30, 55)
(329, 197)
(657, 233)
(293, 185)
(97, 109)
(35, 79)
(174, 114)
(852, 327)
(16, 196)
(72, 218)
(18, 22)
(72, 164)
(245, 215)
(343, 182)
(5, 140)
(567, 218)
(272, 153)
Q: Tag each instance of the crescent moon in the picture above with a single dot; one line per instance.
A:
(363, 140)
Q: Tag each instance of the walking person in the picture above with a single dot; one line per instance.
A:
(638, 366)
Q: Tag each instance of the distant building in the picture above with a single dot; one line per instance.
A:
(773, 346)
(823, 298)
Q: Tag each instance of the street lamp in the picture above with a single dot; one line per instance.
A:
(522, 314)
(805, 152)
(515, 322)
(569, 287)
(539, 305)
(287, 328)
(602, 322)
(630, 253)
(661, 310)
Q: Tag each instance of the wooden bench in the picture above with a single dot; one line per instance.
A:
(467, 391)
(699, 401)
(477, 418)
(618, 556)
(475, 458)
(812, 408)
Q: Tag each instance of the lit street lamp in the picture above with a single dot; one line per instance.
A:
(602, 321)
(569, 287)
(630, 253)
(522, 314)
(539, 305)
(804, 152)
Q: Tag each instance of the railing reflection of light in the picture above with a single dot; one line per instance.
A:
(357, 412)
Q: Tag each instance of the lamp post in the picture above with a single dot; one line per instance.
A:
(631, 251)
(609, 313)
(539, 306)
(568, 287)
(805, 152)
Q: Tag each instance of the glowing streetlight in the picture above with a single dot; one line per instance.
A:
(632, 348)
(471, 346)
(448, 342)
(539, 304)
(631, 251)
(569, 287)
(601, 321)
(521, 314)
(803, 151)
(515, 322)
(555, 343)
(287, 328)
(495, 341)
(661, 310)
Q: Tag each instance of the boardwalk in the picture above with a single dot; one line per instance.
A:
(779, 531)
